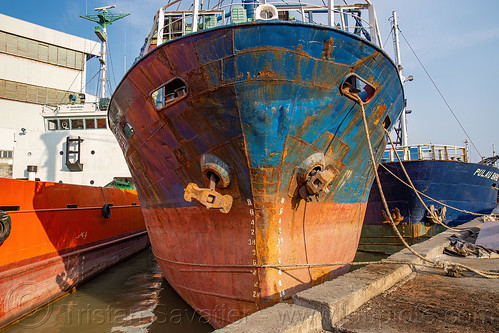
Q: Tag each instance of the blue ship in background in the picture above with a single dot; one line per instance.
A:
(454, 190)
(444, 178)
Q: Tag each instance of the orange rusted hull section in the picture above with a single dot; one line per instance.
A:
(59, 238)
(208, 273)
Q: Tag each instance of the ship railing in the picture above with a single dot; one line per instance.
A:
(171, 24)
(426, 152)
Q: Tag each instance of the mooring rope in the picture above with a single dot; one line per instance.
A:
(103, 195)
(428, 197)
(284, 266)
(448, 267)
(277, 266)
(411, 185)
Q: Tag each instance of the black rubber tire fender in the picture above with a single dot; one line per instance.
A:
(106, 211)
(5, 226)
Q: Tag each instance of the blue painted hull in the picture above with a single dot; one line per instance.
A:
(466, 186)
(262, 98)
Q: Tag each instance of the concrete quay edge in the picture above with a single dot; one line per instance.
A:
(282, 317)
(321, 307)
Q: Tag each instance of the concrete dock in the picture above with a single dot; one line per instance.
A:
(392, 298)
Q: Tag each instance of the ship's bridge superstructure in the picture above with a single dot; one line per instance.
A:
(52, 129)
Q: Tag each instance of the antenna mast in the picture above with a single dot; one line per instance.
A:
(402, 129)
(103, 19)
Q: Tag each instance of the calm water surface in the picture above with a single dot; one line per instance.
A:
(130, 297)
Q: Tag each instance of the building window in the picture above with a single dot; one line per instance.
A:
(6, 153)
(64, 124)
(35, 50)
(29, 93)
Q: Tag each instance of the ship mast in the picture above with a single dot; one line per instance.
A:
(396, 46)
(103, 19)
(194, 16)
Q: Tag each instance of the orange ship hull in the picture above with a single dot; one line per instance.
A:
(222, 289)
(59, 238)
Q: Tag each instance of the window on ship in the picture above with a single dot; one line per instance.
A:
(171, 92)
(76, 124)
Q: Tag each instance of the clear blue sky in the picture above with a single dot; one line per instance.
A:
(457, 41)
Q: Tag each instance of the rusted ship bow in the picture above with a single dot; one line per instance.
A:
(247, 146)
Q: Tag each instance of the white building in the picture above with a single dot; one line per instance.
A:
(43, 72)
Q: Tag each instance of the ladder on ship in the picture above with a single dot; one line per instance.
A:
(73, 155)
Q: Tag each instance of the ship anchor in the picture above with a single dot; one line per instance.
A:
(317, 186)
(316, 179)
(436, 216)
(217, 173)
(395, 213)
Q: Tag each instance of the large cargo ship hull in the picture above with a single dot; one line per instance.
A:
(470, 187)
(262, 98)
(59, 238)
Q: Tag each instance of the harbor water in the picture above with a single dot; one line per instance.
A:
(131, 297)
